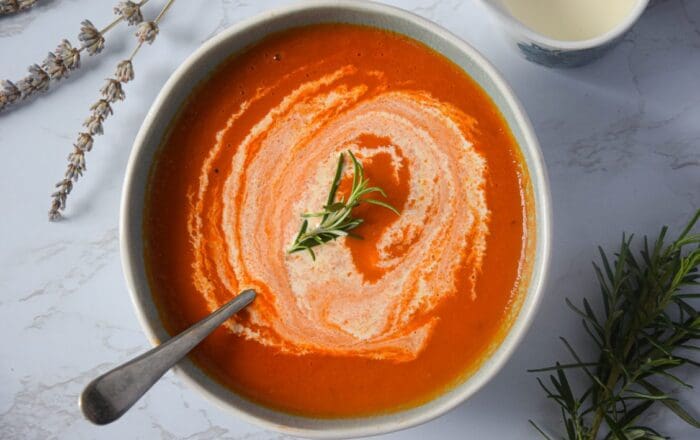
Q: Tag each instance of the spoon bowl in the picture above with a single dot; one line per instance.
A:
(109, 396)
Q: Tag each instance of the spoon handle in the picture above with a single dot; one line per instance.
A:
(109, 396)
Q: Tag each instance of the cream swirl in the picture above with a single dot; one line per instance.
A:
(242, 221)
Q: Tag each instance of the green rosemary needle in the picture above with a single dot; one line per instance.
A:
(336, 216)
(648, 327)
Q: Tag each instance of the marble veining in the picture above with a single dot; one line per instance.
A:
(620, 137)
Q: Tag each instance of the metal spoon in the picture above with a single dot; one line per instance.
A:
(108, 397)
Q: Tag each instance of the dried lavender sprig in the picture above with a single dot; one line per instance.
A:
(111, 92)
(65, 58)
(12, 6)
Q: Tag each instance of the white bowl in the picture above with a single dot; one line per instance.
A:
(551, 52)
(195, 69)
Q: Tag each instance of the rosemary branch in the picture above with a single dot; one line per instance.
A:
(66, 58)
(111, 92)
(648, 326)
(336, 216)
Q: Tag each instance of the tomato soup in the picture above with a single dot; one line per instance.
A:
(371, 325)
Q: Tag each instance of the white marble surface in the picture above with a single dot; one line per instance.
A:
(621, 139)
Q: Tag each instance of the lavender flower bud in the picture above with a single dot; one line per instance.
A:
(101, 109)
(147, 32)
(84, 142)
(59, 198)
(91, 38)
(54, 66)
(10, 92)
(65, 186)
(94, 125)
(36, 81)
(112, 90)
(129, 11)
(73, 170)
(125, 71)
(12, 6)
(24, 4)
(54, 215)
(8, 6)
(69, 55)
(77, 159)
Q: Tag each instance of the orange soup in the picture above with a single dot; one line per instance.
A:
(371, 325)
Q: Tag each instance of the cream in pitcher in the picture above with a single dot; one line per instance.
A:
(570, 20)
(565, 33)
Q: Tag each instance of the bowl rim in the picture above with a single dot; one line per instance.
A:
(522, 320)
(619, 30)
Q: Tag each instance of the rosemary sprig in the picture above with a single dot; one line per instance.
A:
(336, 216)
(648, 327)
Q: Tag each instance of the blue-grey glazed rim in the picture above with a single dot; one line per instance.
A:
(165, 107)
(558, 58)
